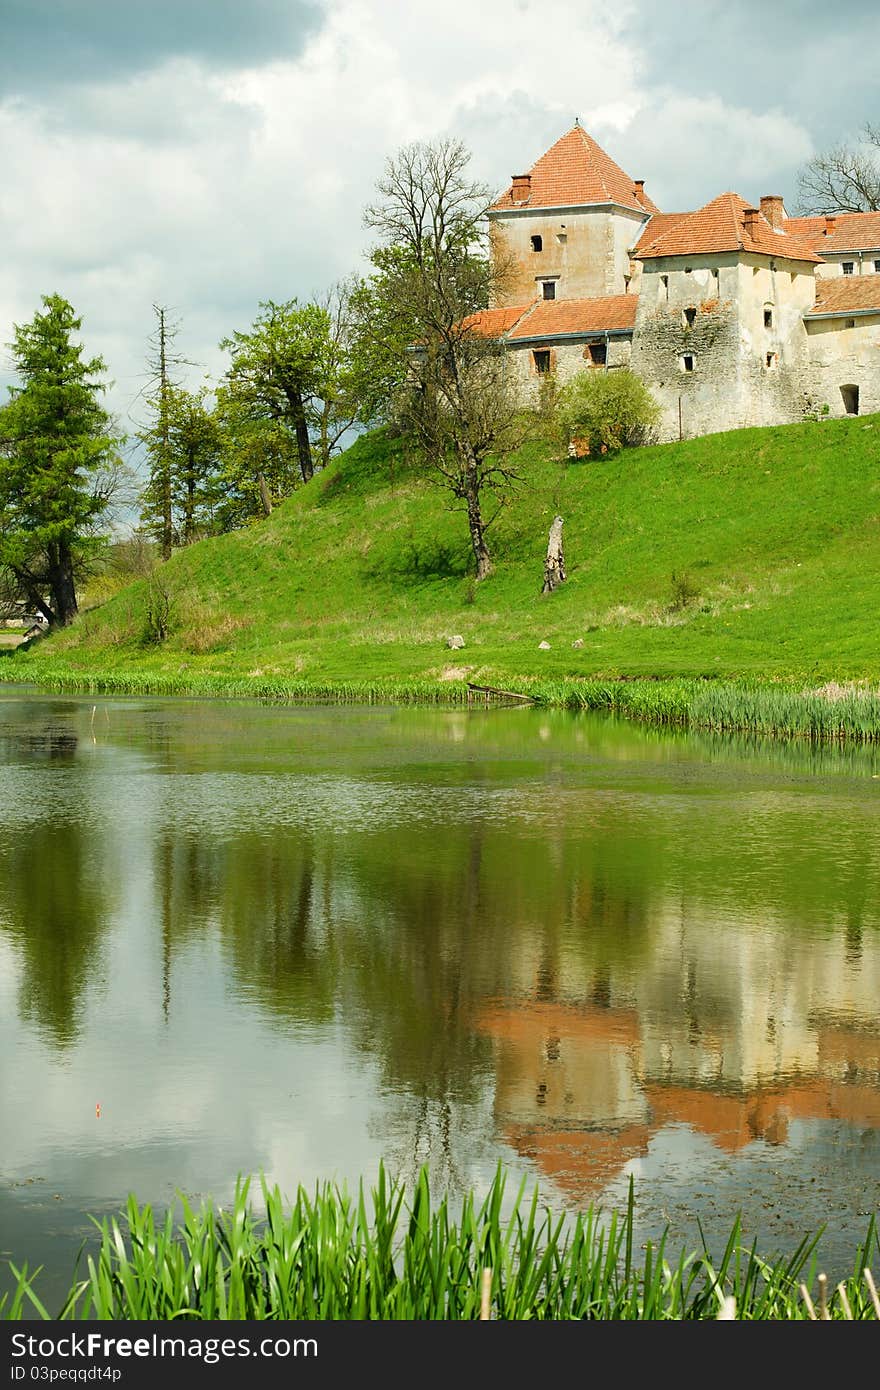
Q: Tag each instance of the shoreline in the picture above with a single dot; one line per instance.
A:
(847, 712)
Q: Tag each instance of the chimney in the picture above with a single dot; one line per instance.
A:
(522, 188)
(773, 209)
(639, 186)
(830, 224)
(750, 219)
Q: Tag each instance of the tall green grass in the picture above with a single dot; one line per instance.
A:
(773, 709)
(405, 1255)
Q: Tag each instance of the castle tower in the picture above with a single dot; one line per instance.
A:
(566, 228)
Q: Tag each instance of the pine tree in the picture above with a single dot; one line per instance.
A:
(58, 462)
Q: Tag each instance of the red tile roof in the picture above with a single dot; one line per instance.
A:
(659, 225)
(565, 316)
(853, 231)
(492, 323)
(721, 226)
(842, 294)
(576, 172)
(544, 318)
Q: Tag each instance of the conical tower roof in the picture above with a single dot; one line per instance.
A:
(575, 172)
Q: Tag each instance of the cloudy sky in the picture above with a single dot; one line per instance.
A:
(207, 154)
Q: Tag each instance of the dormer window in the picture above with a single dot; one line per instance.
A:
(537, 243)
(848, 267)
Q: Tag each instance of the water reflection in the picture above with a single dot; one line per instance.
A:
(303, 939)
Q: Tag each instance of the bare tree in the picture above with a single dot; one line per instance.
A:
(844, 179)
(453, 394)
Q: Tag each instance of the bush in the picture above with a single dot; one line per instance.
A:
(603, 412)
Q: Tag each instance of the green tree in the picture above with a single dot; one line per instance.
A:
(277, 370)
(446, 380)
(59, 463)
(195, 440)
(607, 411)
(259, 462)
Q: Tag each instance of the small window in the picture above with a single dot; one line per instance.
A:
(548, 289)
(849, 323)
(688, 269)
(687, 362)
(849, 267)
(541, 358)
(877, 267)
(537, 243)
(596, 354)
(770, 361)
(688, 317)
(768, 318)
(562, 238)
(850, 396)
(664, 286)
(715, 272)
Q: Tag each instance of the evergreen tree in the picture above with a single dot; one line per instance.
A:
(58, 463)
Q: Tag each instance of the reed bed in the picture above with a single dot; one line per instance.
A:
(830, 714)
(404, 1255)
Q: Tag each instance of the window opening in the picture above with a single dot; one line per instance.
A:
(768, 318)
(687, 362)
(548, 289)
(542, 360)
(850, 396)
(537, 243)
(849, 267)
(596, 354)
(688, 317)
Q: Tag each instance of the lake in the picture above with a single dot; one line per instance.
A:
(298, 940)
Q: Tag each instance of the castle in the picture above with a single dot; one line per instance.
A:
(733, 315)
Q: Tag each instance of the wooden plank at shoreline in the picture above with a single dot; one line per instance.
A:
(488, 690)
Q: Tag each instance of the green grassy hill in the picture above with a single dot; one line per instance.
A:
(749, 554)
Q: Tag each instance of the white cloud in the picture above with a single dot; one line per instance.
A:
(210, 190)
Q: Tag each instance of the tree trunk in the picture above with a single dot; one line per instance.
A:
(554, 565)
(264, 494)
(303, 443)
(189, 506)
(167, 537)
(62, 585)
(475, 520)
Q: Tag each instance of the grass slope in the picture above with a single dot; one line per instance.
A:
(754, 553)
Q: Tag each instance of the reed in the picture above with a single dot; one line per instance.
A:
(400, 1254)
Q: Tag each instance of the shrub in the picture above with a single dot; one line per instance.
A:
(607, 411)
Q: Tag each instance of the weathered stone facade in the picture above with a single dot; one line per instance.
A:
(733, 315)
